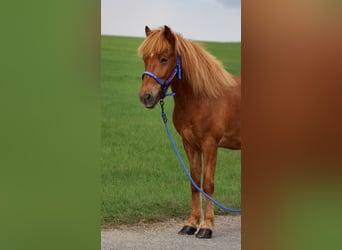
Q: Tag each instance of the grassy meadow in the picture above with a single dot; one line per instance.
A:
(141, 177)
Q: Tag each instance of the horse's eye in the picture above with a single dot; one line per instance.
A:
(163, 60)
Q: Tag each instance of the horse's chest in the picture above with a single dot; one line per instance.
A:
(189, 134)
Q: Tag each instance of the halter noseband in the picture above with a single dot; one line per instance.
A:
(177, 70)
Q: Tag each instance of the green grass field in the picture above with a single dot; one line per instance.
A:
(141, 177)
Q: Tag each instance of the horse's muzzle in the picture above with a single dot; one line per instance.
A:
(149, 100)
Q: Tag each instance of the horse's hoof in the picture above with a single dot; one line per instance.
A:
(187, 230)
(204, 233)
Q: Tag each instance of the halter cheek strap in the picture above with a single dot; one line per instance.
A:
(165, 84)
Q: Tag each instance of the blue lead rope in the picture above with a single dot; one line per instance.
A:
(163, 114)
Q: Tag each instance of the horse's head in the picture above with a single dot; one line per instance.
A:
(160, 58)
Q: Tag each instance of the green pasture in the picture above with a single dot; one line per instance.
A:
(141, 177)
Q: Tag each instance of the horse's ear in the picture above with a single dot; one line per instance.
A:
(147, 31)
(169, 35)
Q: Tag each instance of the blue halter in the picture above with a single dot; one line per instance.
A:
(177, 71)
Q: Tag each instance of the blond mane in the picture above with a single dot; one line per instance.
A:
(203, 72)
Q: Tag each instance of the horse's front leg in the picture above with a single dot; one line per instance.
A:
(210, 156)
(195, 160)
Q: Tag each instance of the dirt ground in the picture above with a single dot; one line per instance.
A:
(163, 235)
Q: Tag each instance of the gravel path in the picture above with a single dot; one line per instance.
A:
(163, 236)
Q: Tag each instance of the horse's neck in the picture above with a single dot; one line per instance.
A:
(184, 95)
(187, 105)
(184, 104)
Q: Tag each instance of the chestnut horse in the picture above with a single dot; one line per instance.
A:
(206, 111)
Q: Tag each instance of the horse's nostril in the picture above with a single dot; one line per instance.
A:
(148, 97)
